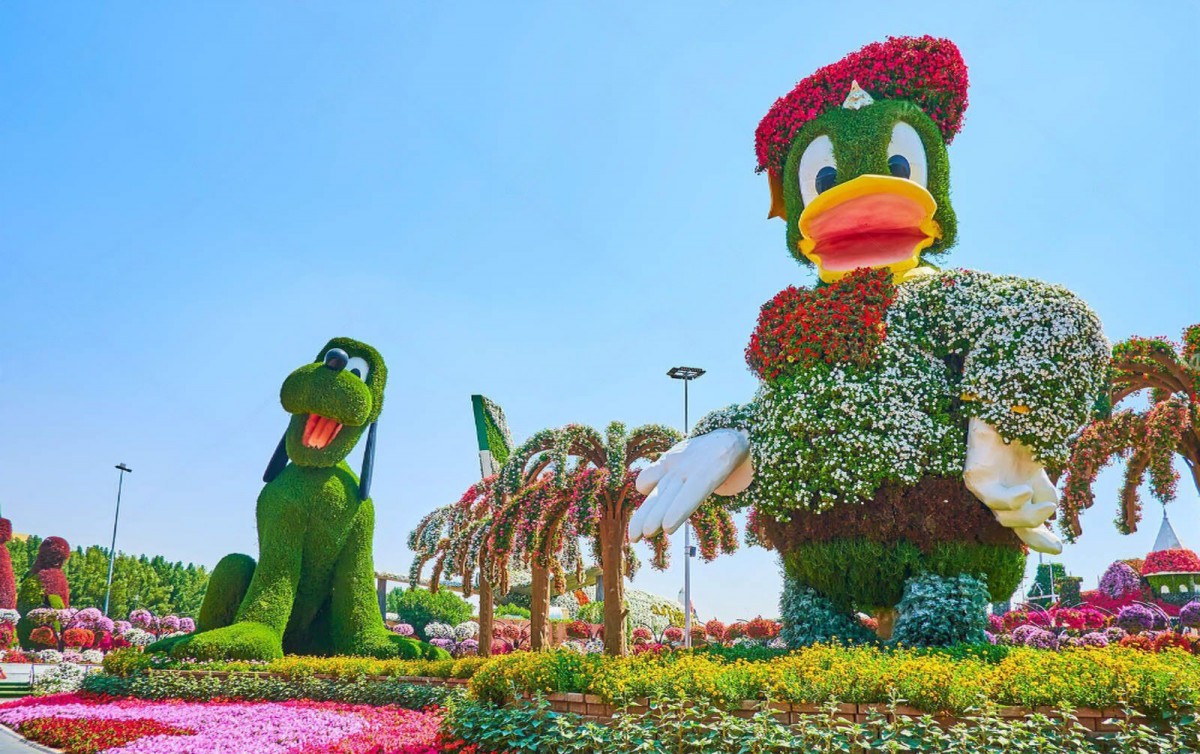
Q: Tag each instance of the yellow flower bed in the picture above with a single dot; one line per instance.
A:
(1099, 677)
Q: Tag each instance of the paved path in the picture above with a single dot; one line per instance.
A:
(11, 743)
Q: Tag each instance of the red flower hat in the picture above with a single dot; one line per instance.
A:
(1171, 561)
(928, 71)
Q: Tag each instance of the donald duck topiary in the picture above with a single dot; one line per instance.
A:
(896, 452)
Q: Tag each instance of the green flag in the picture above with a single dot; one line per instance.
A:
(495, 442)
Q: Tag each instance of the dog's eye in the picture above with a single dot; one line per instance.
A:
(358, 367)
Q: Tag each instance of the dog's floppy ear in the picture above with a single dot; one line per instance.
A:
(278, 461)
(364, 479)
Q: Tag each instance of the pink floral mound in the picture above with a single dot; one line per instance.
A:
(247, 727)
(925, 70)
(1171, 561)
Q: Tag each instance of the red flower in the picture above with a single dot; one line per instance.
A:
(925, 70)
(835, 324)
(44, 635)
(78, 637)
(1168, 561)
(87, 736)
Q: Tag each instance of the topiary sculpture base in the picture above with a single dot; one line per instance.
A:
(825, 583)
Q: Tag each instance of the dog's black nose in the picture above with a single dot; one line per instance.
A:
(336, 359)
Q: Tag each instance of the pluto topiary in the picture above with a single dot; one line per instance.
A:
(312, 590)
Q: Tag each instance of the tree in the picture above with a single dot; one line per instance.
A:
(1150, 439)
(540, 525)
(612, 457)
(155, 584)
(455, 537)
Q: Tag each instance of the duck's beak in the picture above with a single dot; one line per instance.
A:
(871, 221)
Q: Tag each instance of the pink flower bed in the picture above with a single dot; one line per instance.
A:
(246, 727)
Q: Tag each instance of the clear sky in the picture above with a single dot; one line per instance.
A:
(550, 204)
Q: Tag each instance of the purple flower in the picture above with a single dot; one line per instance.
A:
(466, 647)
(1095, 639)
(1115, 634)
(1189, 615)
(1135, 618)
(187, 625)
(1021, 633)
(169, 623)
(141, 619)
(86, 618)
(1120, 581)
(121, 626)
(1040, 638)
(446, 644)
(403, 629)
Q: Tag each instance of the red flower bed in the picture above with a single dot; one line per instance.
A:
(925, 70)
(76, 736)
(1166, 561)
(839, 323)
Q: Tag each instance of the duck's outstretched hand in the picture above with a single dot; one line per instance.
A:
(682, 478)
(1007, 479)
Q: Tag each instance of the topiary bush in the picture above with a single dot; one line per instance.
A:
(512, 611)
(420, 607)
(592, 612)
(940, 611)
(809, 618)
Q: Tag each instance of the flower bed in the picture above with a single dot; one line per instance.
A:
(83, 724)
(676, 727)
(953, 681)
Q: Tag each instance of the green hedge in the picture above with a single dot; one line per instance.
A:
(259, 688)
(420, 607)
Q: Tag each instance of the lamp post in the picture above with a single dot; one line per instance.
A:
(687, 374)
(112, 551)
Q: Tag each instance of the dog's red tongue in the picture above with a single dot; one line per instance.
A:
(319, 431)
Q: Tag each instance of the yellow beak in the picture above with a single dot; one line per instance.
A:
(871, 221)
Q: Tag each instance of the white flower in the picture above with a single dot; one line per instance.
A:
(49, 656)
(61, 679)
(465, 630)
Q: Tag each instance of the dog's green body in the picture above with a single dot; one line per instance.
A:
(312, 590)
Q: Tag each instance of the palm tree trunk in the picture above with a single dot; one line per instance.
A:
(486, 615)
(539, 621)
(612, 562)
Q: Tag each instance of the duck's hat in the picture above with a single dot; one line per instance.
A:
(927, 71)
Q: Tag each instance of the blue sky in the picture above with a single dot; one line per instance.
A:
(549, 204)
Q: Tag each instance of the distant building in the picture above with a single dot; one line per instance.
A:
(1171, 570)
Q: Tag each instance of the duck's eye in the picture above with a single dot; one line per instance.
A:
(906, 154)
(818, 170)
(826, 178)
(358, 367)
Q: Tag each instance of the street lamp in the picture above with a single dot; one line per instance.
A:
(687, 374)
(112, 551)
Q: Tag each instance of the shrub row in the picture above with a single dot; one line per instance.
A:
(267, 689)
(677, 728)
(130, 662)
(955, 681)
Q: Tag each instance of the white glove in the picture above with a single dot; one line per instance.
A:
(1007, 479)
(682, 478)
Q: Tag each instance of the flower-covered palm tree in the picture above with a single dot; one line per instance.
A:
(588, 491)
(455, 538)
(539, 526)
(1150, 439)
